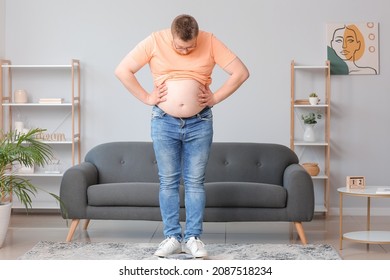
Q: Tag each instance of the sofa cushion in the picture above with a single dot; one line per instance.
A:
(120, 162)
(246, 195)
(249, 162)
(221, 194)
(124, 194)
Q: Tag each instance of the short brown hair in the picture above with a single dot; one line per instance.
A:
(185, 27)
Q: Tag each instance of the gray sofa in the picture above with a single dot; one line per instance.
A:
(244, 182)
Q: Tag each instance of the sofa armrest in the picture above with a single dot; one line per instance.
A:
(73, 189)
(300, 193)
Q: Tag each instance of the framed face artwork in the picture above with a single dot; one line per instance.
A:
(353, 48)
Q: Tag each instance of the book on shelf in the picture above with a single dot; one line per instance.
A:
(52, 172)
(51, 100)
(383, 190)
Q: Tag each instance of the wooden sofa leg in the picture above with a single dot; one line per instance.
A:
(301, 232)
(72, 229)
(86, 223)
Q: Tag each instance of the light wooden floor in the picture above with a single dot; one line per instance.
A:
(26, 230)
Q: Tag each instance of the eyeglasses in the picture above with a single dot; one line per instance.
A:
(190, 48)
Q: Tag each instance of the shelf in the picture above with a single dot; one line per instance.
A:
(375, 237)
(39, 174)
(66, 142)
(311, 106)
(303, 143)
(311, 67)
(65, 66)
(66, 104)
(320, 177)
(69, 142)
(56, 116)
(314, 78)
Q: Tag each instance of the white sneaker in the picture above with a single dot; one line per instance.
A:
(195, 247)
(167, 247)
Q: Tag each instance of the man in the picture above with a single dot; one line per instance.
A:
(181, 60)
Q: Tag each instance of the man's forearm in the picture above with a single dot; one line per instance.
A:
(132, 85)
(238, 75)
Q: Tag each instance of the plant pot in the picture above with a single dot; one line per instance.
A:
(312, 168)
(5, 215)
(313, 100)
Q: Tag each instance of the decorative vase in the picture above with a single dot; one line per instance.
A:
(20, 96)
(5, 215)
(312, 168)
(309, 135)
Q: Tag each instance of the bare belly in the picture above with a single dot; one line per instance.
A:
(182, 98)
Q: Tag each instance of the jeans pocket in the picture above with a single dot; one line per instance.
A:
(206, 116)
(157, 113)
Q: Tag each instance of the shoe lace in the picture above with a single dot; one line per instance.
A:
(169, 241)
(197, 243)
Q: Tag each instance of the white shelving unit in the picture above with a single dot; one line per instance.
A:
(304, 80)
(45, 81)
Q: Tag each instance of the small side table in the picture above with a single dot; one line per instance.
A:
(368, 236)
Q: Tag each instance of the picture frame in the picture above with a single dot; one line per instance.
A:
(353, 48)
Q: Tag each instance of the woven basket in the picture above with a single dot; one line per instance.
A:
(312, 168)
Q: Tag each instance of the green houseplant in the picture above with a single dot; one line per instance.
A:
(311, 118)
(21, 149)
(313, 98)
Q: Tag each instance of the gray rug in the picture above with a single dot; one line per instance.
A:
(46, 250)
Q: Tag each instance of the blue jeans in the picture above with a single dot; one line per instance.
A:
(182, 148)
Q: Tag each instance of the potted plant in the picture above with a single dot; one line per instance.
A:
(21, 149)
(310, 119)
(313, 98)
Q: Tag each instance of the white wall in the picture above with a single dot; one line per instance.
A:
(266, 34)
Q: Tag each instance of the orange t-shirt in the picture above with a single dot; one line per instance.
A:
(165, 63)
